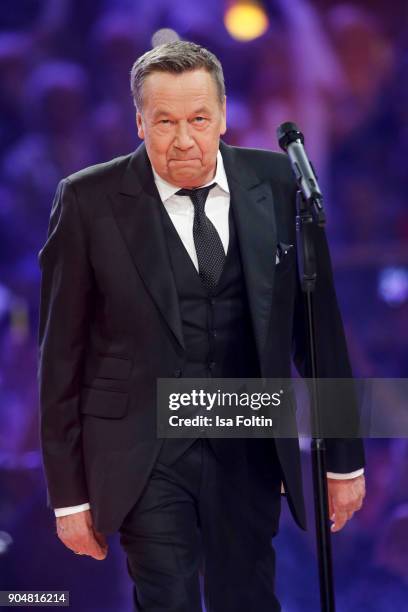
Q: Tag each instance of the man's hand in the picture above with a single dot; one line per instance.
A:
(345, 497)
(77, 533)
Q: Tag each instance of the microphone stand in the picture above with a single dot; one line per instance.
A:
(308, 214)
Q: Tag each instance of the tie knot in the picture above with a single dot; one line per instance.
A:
(198, 196)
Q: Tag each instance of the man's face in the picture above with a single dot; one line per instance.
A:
(181, 122)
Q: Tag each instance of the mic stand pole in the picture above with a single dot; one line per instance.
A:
(308, 214)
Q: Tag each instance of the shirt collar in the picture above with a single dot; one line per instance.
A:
(167, 190)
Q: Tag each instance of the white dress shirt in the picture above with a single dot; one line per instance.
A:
(181, 209)
(181, 212)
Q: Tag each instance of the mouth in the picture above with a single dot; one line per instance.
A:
(184, 161)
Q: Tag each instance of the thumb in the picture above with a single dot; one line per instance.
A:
(101, 539)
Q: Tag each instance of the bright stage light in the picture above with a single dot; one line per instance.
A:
(246, 20)
(393, 285)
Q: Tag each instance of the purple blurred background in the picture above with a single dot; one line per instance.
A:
(341, 72)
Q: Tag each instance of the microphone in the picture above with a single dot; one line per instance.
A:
(291, 140)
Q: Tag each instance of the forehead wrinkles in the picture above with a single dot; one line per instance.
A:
(177, 94)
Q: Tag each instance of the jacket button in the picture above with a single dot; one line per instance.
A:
(177, 373)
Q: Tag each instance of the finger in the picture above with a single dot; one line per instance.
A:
(84, 542)
(101, 541)
(76, 545)
(100, 538)
(90, 549)
(98, 554)
(331, 509)
(353, 507)
(95, 550)
(340, 519)
(349, 506)
(338, 526)
(347, 511)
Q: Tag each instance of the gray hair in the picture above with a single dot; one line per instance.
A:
(175, 57)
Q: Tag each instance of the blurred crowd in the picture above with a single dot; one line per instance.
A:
(340, 71)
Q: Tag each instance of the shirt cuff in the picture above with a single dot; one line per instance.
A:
(71, 509)
(347, 476)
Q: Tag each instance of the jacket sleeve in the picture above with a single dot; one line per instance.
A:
(65, 307)
(343, 454)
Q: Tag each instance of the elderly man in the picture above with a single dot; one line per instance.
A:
(162, 264)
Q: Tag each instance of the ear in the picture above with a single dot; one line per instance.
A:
(223, 127)
(139, 123)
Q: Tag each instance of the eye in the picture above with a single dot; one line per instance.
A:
(199, 119)
(164, 121)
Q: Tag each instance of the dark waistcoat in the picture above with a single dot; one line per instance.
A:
(217, 328)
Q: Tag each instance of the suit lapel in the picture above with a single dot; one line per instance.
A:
(252, 203)
(137, 212)
(136, 209)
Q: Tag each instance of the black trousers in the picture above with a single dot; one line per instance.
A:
(202, 515)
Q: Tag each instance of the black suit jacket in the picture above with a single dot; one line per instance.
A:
(110, 324)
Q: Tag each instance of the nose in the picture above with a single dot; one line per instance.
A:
(183, 139)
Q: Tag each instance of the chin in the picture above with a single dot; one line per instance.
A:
(187, 179)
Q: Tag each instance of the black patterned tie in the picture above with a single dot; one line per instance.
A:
(208, 245)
